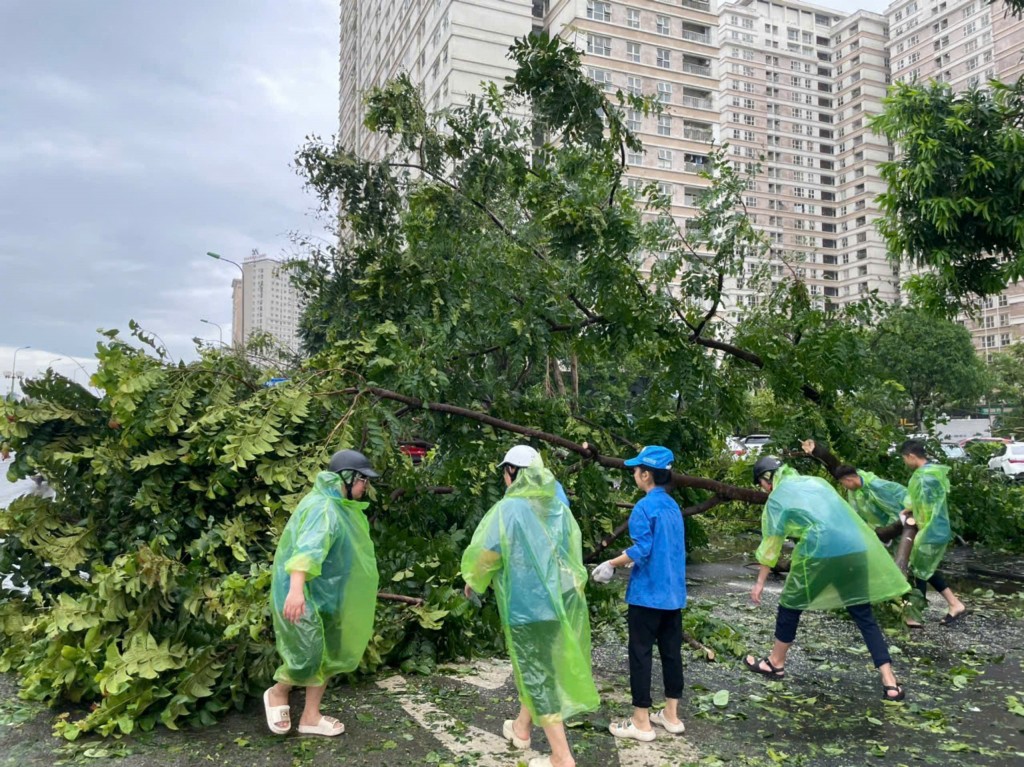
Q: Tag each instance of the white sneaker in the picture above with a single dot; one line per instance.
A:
(658, 718)
(626, 729)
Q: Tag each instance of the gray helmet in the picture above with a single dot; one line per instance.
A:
(766, 464)
(351, 460)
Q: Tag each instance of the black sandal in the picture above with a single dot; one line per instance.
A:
(898, 688)
(772, 673)
(950, 619)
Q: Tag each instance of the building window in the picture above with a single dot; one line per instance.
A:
(633, 52)
(665, 159)
(634, 85)
(601, 77)
(664, 58)
(599, 11)
(664, 25)
(633, 120)
(664, 92)
(664, 125)
(633, 18)
(634, 158)
(599, 45)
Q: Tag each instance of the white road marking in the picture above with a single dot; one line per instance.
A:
(483, 673)
(665, 750)
(488, 749)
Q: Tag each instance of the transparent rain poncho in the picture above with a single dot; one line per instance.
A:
(877, 501)
(328, 538)
(838, 560)
(927, 492)
(528, 547)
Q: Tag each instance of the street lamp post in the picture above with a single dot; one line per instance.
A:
(14, 367)
(241, 271)
(220, 330)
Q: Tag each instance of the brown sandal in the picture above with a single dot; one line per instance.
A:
(773, 672)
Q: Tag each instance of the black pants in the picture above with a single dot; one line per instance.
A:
(937, 582)
(648, 626)
(788, 619)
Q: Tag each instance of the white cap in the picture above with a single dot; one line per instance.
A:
(521, 456)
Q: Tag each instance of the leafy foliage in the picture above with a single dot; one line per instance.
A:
(955, 194)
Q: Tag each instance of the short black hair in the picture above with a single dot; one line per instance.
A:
(661, 477)
(844, 470)
(913, 447)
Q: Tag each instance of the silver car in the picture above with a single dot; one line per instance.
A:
(1009, 461)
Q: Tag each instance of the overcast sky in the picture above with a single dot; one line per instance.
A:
(134, 137)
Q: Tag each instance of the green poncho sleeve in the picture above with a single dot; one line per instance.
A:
(838, 560)
(528, 548)
(927, 496)
(328, 538)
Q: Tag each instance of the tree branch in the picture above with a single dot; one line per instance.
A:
(727, 491)
(389, 597)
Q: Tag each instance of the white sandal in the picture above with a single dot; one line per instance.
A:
(328, 726)
(540, 761)
(658, 717)
(508, 730)
(626, 729)
(278, 717)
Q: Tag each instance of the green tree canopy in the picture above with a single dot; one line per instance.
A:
(933, 359)
(955, 198)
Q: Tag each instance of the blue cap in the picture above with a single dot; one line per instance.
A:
(653, 457)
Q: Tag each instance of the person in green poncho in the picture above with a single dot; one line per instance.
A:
(323, 592)
(927, 505)
(838, 562)
(528, 548)
(877, 501)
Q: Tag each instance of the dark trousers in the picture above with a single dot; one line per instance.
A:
(937, 582)
(788, 619)
(648, 626)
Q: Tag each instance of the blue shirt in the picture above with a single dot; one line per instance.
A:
(658, 552)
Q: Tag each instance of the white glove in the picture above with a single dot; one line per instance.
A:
(603, 573)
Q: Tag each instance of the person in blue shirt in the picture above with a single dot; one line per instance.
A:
(656, 594)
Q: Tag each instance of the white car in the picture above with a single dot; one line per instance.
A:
(735, 448)
(756, 442)
(1009, 460)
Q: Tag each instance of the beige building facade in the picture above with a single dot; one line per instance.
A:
(789, 85)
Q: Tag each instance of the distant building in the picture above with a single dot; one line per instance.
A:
(265, 300)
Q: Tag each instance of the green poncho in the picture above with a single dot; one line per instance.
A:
(877, 501)
(926, 499)
(528, 547)
(838, 560)
(328, 538)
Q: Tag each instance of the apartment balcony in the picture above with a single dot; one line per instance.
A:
(699, 134)
(697, 37)
(699, 5)
(697, 69)
(697, 103)
(695, 167)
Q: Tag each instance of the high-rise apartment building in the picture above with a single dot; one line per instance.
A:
(965, 43)
(264, 300)
(447, 47)
(798, 81)
(789, 85)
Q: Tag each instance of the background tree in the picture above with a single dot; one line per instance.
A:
(955, 203)
(932, 359)
(1007, 372)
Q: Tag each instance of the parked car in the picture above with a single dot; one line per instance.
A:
(1009, 461)
(954, 452)
(756, 442)
(976, 440)
(735, 447)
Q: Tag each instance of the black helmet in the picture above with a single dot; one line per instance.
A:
(351, 460)
(766, 464)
